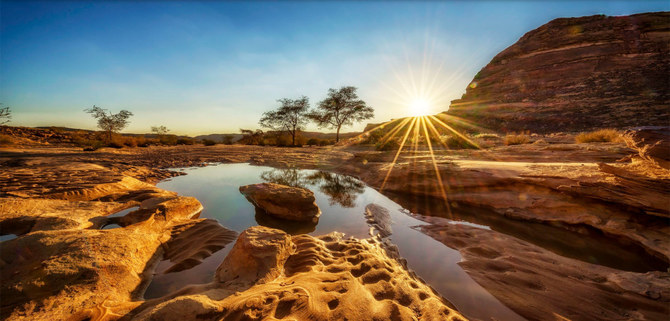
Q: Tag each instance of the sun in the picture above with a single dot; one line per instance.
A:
(419, 107)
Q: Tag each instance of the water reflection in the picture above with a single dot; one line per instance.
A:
(341, 190)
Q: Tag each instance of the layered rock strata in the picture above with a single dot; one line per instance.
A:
(576, 74)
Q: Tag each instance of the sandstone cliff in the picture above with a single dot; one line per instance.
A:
(575, 74)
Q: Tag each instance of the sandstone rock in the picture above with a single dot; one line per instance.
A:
(379, 219)
(290, 203)
(652, 143)
(529, 278)
(258, 256)
(304, 278)
(576, 74)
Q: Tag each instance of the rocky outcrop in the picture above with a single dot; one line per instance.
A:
(258, 256)
(576, 74)
(652, 143)
(286, 202)
(271, 275)
(528, 279)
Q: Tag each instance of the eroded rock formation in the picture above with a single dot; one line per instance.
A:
(652, 144)
(286, 202)
(576, 74)
(272, 275)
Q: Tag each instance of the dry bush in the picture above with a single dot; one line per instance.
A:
(599, 136)
(391, 144)
(454, 142)
(6, 140)
(487, 136)
(516, 139)
(208, 142)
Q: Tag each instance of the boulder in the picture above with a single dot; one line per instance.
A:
(651, 142)
(286, 202)
(257, 257)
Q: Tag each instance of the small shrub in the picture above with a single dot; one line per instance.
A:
(516, 139)
(313, 141)
(325, 142)
(186, 141)
(208, 142)
(487, 136)
(168, 139)
(391, 144)
(599, 136)
(6, 140)
(228, 139)
(454, 142)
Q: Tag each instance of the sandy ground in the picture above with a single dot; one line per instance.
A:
(62, 264)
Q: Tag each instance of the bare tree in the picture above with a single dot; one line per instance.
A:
(110, 123)
(341, 108)
(290, 117)
(159, 130)
(5, 115)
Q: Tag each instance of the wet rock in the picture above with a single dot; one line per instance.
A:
(286, 202)
(305, 278)
(379, 219)
(652, 143)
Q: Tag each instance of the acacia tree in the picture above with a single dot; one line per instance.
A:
(159, 130)
(110, 123)
(341, 108)
(5, 115)
(290, 117)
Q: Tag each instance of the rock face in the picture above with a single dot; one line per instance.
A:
(286, 202)
(652, 143)
(576, 74)
(270, 275)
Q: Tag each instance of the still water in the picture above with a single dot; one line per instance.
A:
(342, 200)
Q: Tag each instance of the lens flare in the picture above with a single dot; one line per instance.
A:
(419, 107)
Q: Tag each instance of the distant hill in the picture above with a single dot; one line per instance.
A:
(307, 135)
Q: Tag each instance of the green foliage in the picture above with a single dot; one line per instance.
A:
(110, 123)
(290, 117)
(341, 108)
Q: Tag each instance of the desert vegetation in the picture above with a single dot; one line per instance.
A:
(599, 136)
(516, 139)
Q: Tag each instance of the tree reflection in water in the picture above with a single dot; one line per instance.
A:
(340, 189)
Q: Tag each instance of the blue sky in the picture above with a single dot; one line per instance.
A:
(205, 67)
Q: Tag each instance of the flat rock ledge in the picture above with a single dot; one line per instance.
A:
(285, 202)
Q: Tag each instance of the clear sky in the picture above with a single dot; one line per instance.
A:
(215, 67)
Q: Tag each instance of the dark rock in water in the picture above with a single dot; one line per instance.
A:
(286, 202)
(576, 74)
(378, 217)
(652, 143)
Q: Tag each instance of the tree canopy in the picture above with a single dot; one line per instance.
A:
(290, 117)
(341, 108)
(5, 115)
(110, 123)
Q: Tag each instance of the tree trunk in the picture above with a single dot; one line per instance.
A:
(337, 136)
(293, 136)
